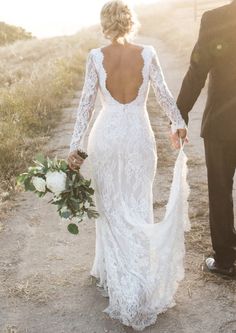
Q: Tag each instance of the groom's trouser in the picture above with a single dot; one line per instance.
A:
(221, 164)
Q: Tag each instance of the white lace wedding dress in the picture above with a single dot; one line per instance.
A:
(138, 264)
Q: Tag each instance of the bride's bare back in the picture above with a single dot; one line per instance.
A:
(123, 65)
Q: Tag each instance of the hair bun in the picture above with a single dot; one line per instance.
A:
(117, 20)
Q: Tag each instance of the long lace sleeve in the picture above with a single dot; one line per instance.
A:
(86, 104)
(163, 94)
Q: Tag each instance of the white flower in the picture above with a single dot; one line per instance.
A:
(56, 181)
(39, 183)
(86, 205)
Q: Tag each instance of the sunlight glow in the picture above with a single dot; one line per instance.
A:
(55, 17)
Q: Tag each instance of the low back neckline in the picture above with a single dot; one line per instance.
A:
(105, 79)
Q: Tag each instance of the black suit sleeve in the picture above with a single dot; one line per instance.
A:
(195, 78)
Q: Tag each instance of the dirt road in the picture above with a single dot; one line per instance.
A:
(44, 271)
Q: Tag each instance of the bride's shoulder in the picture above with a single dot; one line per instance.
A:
(151, 49)
(148, 48)
(94, 53)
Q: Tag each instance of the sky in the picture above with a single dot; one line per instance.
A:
(46, 18)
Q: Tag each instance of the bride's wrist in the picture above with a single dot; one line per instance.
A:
(82, 153)
(175, 129)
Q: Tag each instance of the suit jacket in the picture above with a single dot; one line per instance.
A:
(214, 54)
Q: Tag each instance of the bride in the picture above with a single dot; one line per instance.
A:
(138, 263)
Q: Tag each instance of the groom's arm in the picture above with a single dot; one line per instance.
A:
(196, 76)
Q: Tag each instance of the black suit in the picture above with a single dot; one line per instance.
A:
(215, 54)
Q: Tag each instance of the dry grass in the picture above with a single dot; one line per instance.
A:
(37, 79)
(36, 288)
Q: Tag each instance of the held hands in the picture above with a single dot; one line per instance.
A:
(75, 160)
(180, 134)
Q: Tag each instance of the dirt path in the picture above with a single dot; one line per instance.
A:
(44, 271)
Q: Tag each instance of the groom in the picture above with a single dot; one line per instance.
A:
(215, 54)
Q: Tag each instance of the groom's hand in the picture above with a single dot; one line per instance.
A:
(175, 138)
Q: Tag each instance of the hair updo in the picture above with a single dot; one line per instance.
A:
(118, 20)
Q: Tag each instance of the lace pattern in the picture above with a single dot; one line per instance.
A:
(138, 263)
(94, 78)
(163, 94)
(86, 105)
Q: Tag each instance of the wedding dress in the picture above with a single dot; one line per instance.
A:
(138, 263)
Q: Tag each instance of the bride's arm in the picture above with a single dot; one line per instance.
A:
(86, 104)
(164, 96)
(84, 113)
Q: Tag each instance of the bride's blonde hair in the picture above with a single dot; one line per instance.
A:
(118, 20)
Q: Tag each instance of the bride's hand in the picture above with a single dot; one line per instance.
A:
(175, 138)
(74, 160)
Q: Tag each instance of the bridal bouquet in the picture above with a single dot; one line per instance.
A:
(72, 193)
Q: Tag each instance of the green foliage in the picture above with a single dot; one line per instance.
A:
(73, 228)
(75, 201)
(11, 33)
